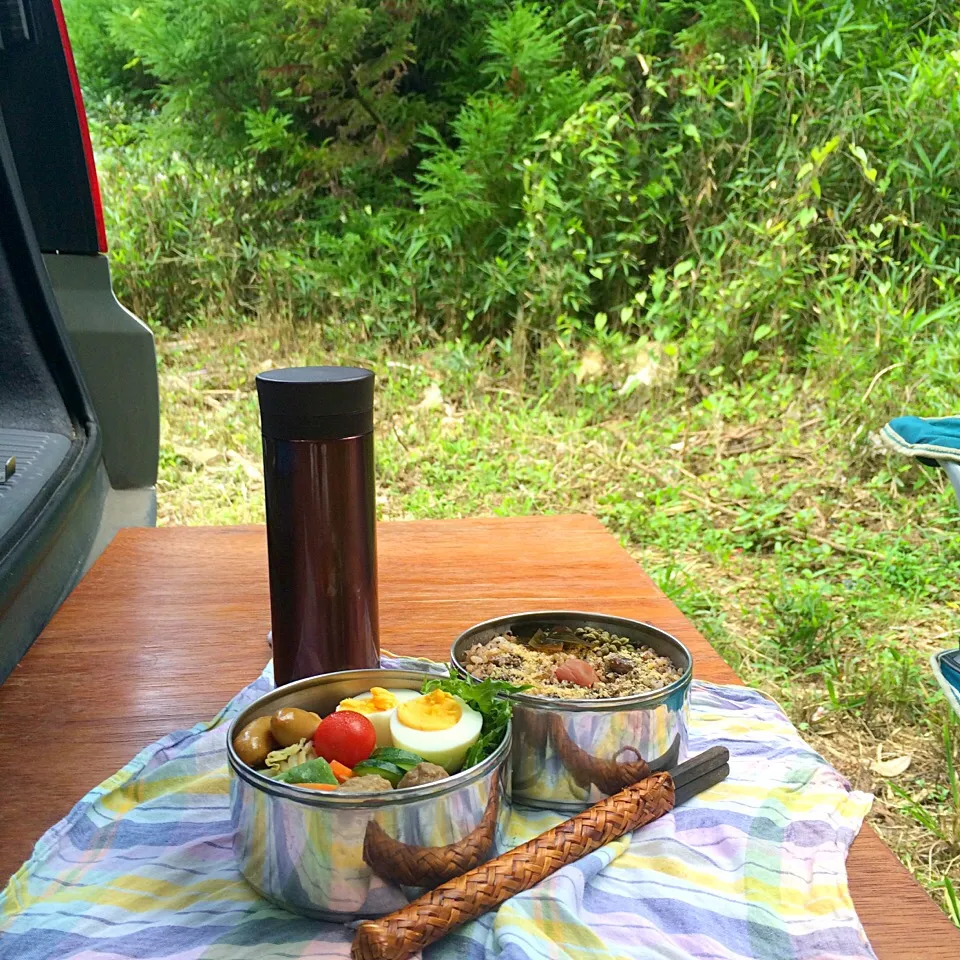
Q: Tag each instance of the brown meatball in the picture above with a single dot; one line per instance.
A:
(422, 773)
(617, 663)
(368, 784)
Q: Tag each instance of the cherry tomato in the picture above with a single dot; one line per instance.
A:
(345, 736)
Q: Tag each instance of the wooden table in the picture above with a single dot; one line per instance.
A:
(170, 623)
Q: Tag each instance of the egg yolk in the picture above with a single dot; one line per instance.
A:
(434, 711)
(378, 701)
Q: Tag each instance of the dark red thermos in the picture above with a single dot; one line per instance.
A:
(317, 425)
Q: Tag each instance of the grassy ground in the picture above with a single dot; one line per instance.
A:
(823, 570)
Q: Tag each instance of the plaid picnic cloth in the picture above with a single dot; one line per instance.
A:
(143, 866)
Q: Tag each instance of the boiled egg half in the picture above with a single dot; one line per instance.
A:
(378, 706)
(438, 726)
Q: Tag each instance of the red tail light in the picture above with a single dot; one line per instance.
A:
(84, 128)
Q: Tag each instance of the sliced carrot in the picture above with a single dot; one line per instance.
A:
(319, 786)
(340, 770)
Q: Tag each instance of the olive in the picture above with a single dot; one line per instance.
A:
(254, 742)
(290, 725)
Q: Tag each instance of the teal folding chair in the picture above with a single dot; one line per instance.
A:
(935, 442)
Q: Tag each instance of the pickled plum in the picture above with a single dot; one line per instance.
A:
(576, 671)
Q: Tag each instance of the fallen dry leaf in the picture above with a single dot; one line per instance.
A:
(251, 469)
(432, 398)
(198, 456)
(890, 768)
(591, 365)
(650, 367)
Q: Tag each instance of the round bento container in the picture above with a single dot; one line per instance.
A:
(568, 754)
(348, 856)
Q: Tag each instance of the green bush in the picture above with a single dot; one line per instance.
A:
(751, 185)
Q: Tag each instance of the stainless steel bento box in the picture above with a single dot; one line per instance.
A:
(351, 856)
(568, 754)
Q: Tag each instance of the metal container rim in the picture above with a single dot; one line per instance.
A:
(650, 698)
(330, 801)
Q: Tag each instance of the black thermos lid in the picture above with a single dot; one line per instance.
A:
(315, 403)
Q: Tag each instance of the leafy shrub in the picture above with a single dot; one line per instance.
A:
(750, 191)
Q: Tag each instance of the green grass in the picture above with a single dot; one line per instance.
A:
(824, 570)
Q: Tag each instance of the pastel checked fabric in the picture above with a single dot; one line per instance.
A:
(754, 868)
